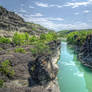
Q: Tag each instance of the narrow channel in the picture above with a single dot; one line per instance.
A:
(72, 75)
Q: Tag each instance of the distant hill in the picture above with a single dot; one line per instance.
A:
(63, 33)
(9, 21)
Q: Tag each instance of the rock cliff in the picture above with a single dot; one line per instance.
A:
(11, 22)
(85, 53)
(32, 73)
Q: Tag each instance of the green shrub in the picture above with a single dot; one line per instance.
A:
(7, 69)
(33, 39)
(4, 40)
(20, 50)
(23, 38)
(48, 37)
(20, 38)
(26, 36)
(43, 37)
(1, 83)
(40, 48)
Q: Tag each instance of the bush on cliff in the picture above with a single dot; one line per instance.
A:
(1, 83)
(33, 39)
(20, 50)
(20, 38)
(4, 40)
(24, 38)
(39, 48)
(6, 68)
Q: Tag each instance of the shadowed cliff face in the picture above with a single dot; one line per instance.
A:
(86, 52)
(44, 70)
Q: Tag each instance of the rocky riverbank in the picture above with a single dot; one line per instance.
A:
(32, 73)
(85, 54)
(85, 51)
(28, 55)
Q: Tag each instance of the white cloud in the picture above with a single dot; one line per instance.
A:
(73, 4)
(36, 15)
(47, 5)
(86, 11)
(77, 4)
(47, 22)
(41, 4)
(31, 7)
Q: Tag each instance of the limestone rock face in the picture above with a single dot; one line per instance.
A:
(42, 69)
(11, 22)
(31, 72)
(86, 52)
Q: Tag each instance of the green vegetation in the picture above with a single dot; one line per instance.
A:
(4, 40)
(6, 68)
(40, 48)
(33, 39)
(24, 38)
(63, 33)
(20, 50)
(48, 37)
(20, 38)
(1, 83)
(39, 42)
(78, 37)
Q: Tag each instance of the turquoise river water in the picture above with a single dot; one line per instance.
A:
(72, 75)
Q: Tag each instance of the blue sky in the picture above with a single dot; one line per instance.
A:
(54, 14)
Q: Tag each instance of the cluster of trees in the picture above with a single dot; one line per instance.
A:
(78, 37)
(24, 38)
(39, 42)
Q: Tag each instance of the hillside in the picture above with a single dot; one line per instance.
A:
(9, 21)
(28, 55)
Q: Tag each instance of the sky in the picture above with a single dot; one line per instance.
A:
(53, 14)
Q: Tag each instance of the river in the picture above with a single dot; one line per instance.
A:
(72, 75)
